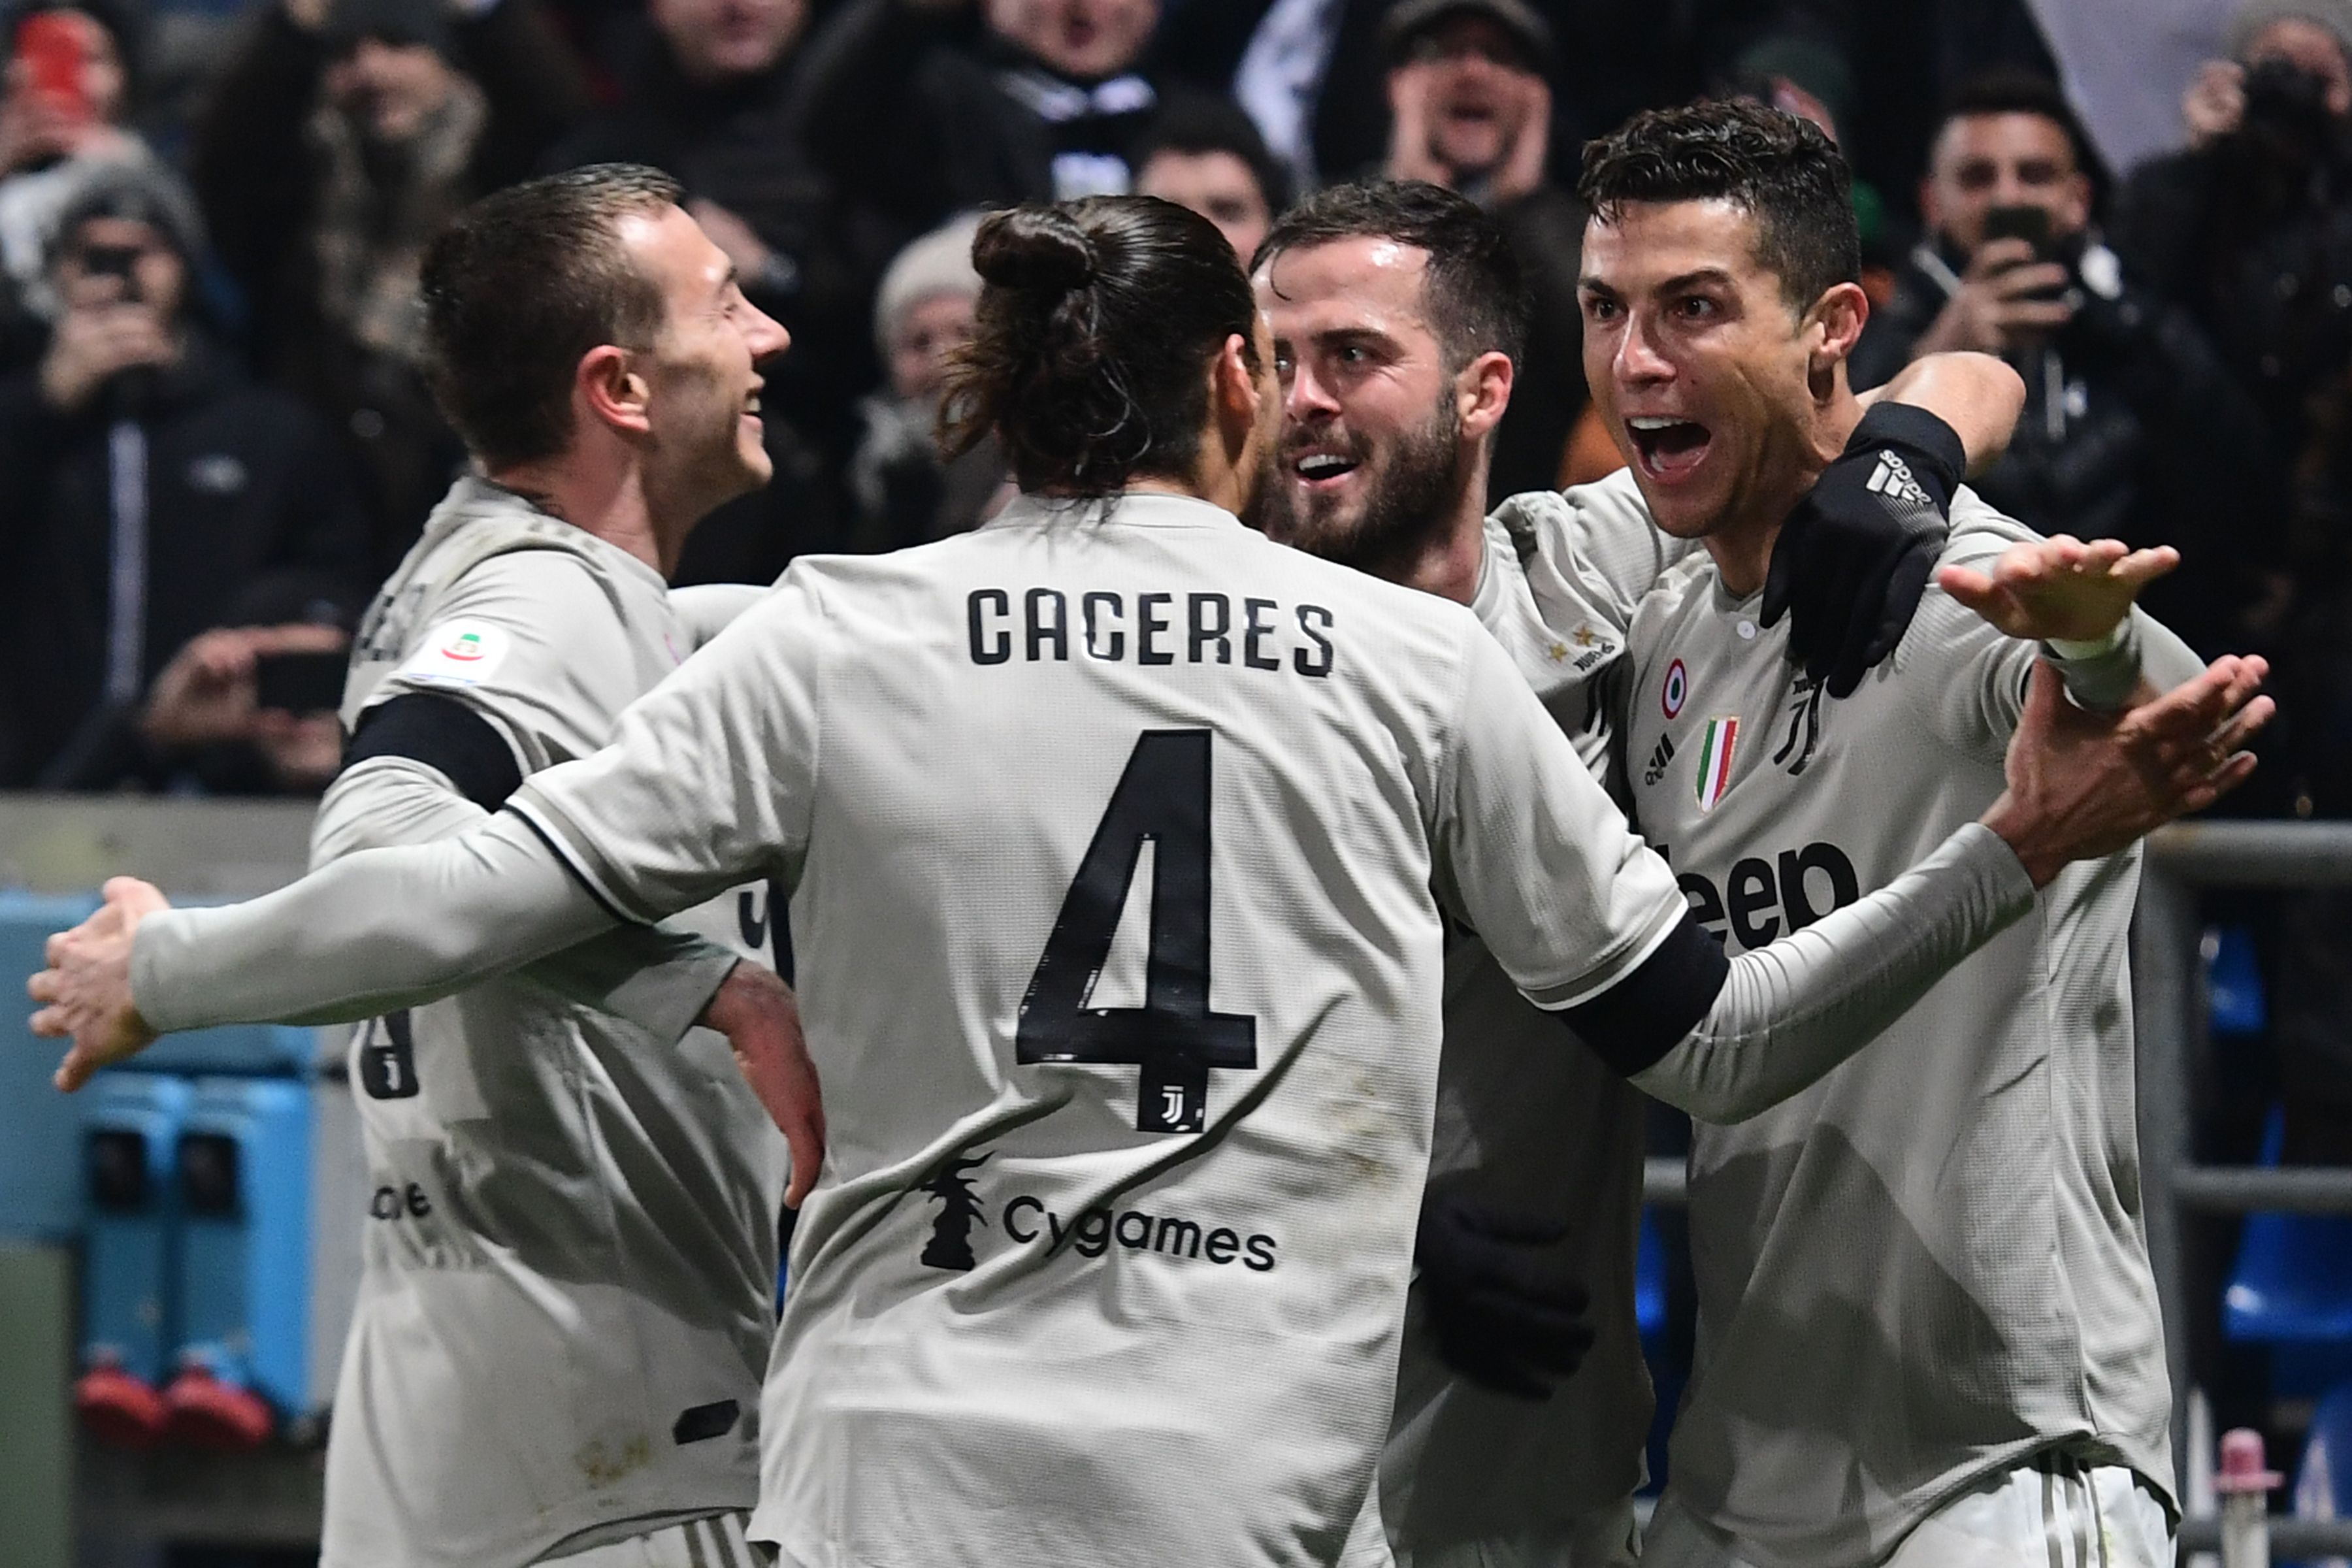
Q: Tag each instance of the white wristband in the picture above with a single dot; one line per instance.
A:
(2061, 648)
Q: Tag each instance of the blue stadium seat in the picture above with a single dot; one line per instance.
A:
(40, 1130)
(2292, 1284)
(2323, 1477)
(2233, 982)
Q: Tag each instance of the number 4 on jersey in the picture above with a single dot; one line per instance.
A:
(1163, 797)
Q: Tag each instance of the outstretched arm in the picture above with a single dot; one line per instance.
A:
(2078, 601)
(2080, 787)
(1603, 937)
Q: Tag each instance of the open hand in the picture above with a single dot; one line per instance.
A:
(2086, 784)
(2059, 587)
(2215, 102)
(1410, 156)
(84, 991)
(762, 1020)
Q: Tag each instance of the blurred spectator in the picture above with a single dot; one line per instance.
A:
(64, 112)
(1804, 76)
(1042, 100)
(710, 104)
(153, 494)
(1207, 156)
(2251, 227)
(1903, 62)
(2133, 427)
(335, 145)
(1470, 111)
(904, 494)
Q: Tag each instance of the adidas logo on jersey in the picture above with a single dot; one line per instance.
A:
(1659, 758)
(1893, 480)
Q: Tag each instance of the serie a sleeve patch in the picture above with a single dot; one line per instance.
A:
(460, 653)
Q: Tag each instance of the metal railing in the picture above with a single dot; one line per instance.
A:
(2169, 994)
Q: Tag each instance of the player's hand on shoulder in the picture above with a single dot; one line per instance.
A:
(762, 1020)
(1497, 1307)
(84, 991)
(2059, 588)
(1853, 557)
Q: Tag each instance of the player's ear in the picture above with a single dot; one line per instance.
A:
(1234, 395)
(1482, 392)
(1831, 329)
(610, 385)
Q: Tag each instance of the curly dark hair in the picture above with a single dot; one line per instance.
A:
(521, 286)
(1096, 321)
(1475, 293)
(1779, 168)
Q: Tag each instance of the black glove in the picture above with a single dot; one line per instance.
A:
(1856, 555)
(1499, 1316)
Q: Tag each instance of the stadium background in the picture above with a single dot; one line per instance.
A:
(213, 442)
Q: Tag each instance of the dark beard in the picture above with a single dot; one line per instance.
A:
(1410, 499)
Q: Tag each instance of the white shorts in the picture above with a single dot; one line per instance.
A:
(2048, 1513)
(714, 1542)
(1606, 1538)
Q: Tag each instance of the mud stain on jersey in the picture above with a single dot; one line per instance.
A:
(601, 1466)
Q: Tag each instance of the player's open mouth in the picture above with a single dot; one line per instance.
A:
(1323, 470)
(1666, 448)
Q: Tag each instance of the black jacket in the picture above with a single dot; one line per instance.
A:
(1548, 392)
(259, 181)
(2133, 430)
(734, 144)
(250, 516)
(2254, 240)
(916, 115)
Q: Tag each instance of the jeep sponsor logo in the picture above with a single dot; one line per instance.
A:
(1760, 898)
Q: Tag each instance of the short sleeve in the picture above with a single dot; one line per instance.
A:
(711, 780)
(1532, 853)
(530, 640)
(1598, 539)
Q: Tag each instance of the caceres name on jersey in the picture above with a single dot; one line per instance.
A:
(1162, 628)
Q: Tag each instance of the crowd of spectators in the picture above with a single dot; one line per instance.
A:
(212, 418)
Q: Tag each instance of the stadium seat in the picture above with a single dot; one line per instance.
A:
(2233, 982)
(2323, 1477)
(2293, 1283)
(41, 1194)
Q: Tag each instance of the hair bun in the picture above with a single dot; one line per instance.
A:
(1034, 249)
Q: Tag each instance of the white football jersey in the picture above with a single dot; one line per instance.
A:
(1113, 830)
(1931, 1264)
(571, 1253)
(1523, 1132)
